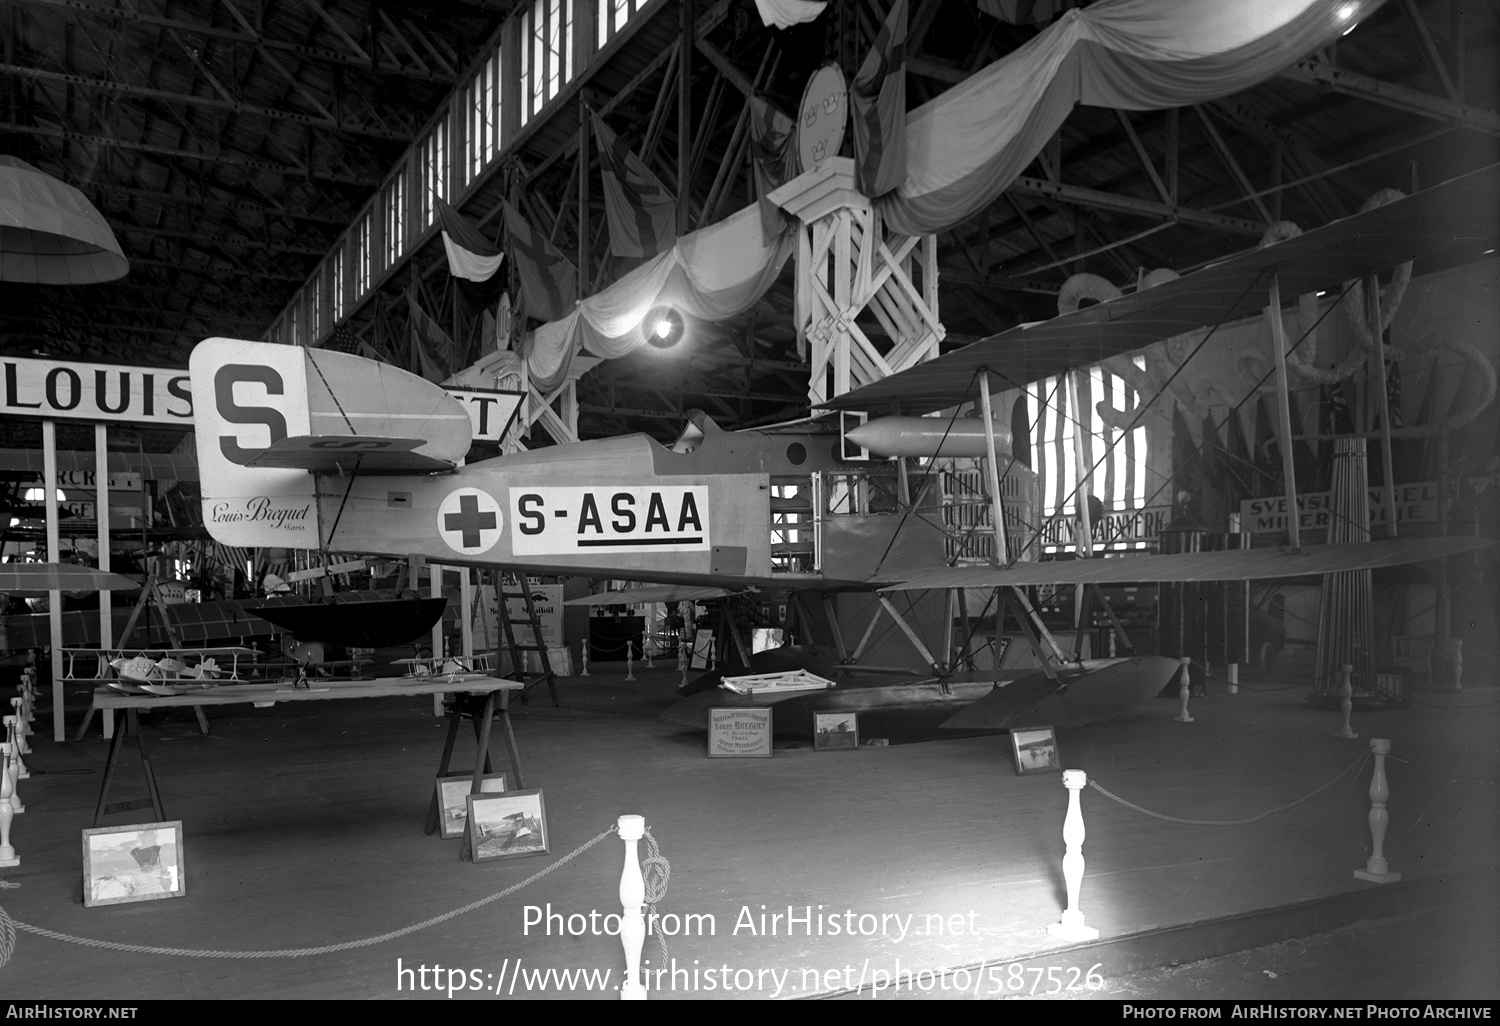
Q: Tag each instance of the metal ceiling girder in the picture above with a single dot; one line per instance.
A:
(212, 158)
(217, 234)
(1429, 48)
(1298, 154)
(1411, 101)
(1226, 155)
(1085, 197)
(222, 102)
(316, 53)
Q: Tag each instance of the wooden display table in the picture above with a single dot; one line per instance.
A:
(473, 695)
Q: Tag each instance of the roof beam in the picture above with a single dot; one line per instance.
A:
(221, 102)
(1098, 199)
(1365, 87)
(210, 158)
(1434, 59)
(315, 53)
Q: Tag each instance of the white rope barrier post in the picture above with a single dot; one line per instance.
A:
(632, 898)
(682, 657)
(1346, 701)
(22, 727)
(8, 855)
(12, 773)
(630, 660)
(17, 746)
(584, 651)
(1453, 663)
(1183, 717)
(650, 644)
(1377, 870)
(1072, 927)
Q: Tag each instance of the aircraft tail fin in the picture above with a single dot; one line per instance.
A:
(255, 401)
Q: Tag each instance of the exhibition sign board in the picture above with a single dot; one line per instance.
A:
(1123, 527)
(492, 411)
(1415, 504)
(95, 391)
(739, 733)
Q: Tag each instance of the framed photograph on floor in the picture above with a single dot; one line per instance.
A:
(833, 731)
(1035, 751)
(140, 862)
(453, 810)
(506, 826)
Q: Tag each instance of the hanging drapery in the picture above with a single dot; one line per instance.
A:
(1027, 12)
(642, 214)
(786, 13)
(878, 100)
(711, 274)
(774, 159)
(964, 147)
(967, 145)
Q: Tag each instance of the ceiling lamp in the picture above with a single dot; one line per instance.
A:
(663, 327)
(50, 233)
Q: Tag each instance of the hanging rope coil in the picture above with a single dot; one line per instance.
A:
(1231, 822)
(8, 927)
(656, 871)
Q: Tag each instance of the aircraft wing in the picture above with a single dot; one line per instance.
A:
(1235, 565)
(37, 579)
(1454, 221)
(658, 593)
(347, 454)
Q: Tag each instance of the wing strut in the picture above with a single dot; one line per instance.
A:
(1372, 297)
(1283, 406)
(1002, 554)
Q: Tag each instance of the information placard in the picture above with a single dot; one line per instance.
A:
(739, 733)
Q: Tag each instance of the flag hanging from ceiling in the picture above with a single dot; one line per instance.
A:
(878, 99)
(343, 339)
(429, 343)
(473, 260)
(773, 159)
(642, 213)
(549, 282)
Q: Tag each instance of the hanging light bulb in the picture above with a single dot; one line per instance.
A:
(663, 327)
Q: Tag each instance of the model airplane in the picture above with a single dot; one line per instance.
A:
(314, 449)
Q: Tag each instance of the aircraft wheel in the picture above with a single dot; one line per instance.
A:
(1267, 657)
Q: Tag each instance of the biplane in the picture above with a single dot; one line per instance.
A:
(322, 450)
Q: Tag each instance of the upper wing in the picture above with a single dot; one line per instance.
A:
(656, 593)
(1235, 565)
(1455, 220)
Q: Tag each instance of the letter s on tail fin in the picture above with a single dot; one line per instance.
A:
(247, 395)
(323, 411)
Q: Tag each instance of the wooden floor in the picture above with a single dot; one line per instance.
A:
(303, 828)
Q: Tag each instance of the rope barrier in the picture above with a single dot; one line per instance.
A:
(8, 926)
(1230, 822)
(1453, 774)
(656, 871)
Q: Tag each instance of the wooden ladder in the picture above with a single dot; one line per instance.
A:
(517, 650)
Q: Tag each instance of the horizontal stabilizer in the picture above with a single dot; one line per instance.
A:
(1232, 565)
(347, 454)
